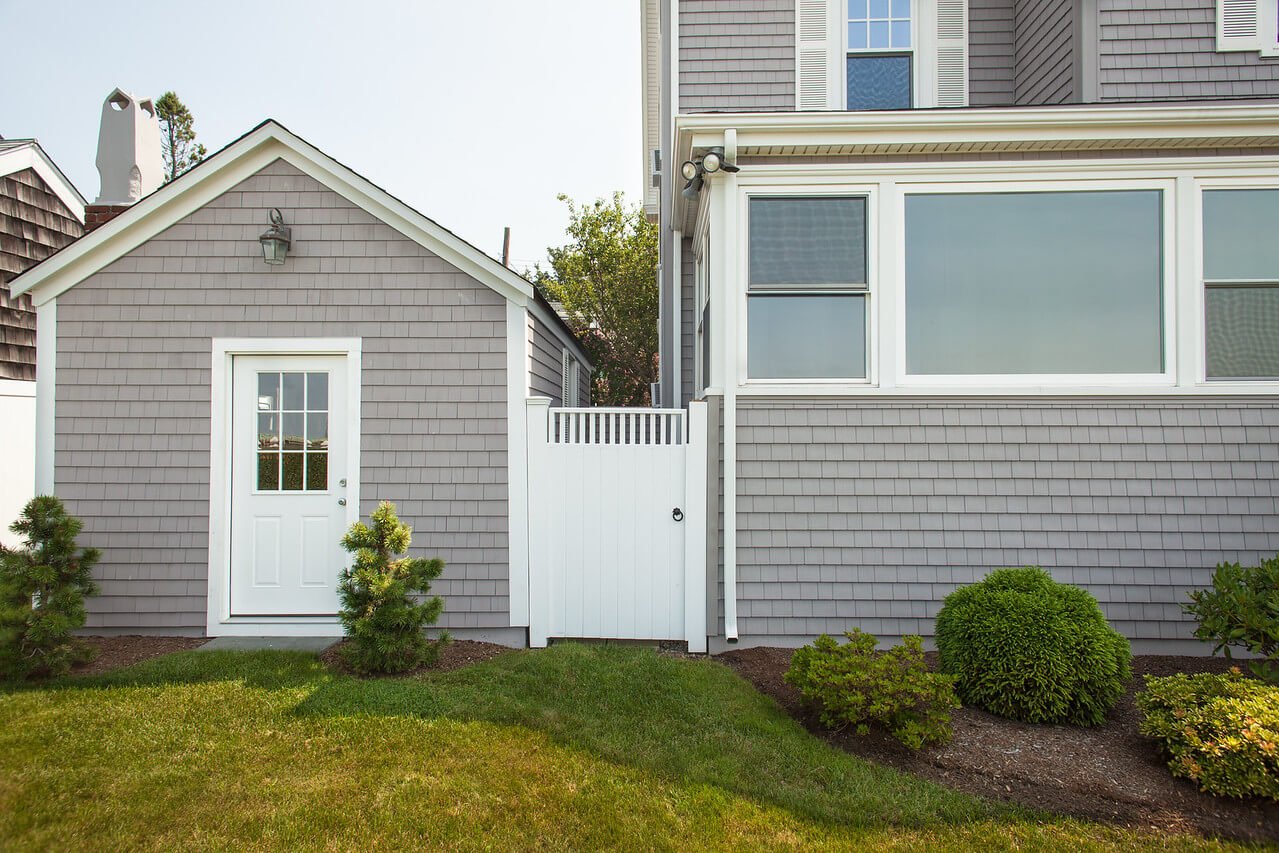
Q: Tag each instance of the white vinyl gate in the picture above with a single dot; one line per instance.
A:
(617, 527)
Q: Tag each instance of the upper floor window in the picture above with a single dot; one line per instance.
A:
(881, 54)
(880, 61)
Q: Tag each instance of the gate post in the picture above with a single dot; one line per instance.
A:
(695, 509)
(540, 582)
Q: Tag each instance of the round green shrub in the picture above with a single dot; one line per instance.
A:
(1023, 646)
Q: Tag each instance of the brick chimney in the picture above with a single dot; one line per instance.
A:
(130, 165)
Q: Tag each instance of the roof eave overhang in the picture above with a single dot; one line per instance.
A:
(33, 156)
(226, 169)
(816, 136)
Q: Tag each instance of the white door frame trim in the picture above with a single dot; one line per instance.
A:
(220, 623)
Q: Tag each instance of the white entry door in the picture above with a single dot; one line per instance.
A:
(289, 444)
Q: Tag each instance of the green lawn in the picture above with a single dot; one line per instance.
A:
(575, 747)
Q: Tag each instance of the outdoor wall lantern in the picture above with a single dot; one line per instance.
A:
(275, 242)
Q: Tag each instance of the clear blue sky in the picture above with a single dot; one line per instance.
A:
(476, 112)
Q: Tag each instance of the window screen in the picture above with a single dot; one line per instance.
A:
(1241, 274)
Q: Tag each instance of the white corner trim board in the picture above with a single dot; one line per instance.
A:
(517, 348)
(220, 622)
(46, 387)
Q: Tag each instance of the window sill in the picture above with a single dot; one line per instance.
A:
(1204, 389)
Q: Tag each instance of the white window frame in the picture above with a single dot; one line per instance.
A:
(870, 193)
(919, 94)
(1167, 377)
(1181, 179)
(1201, 333)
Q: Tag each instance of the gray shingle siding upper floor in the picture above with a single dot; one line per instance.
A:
(739, 55)
(1166, 50)
(133, 394)
(867, 513)
(991, 53)
(1044, 49)
(736, 55)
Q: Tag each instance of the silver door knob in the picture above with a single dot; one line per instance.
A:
(341, 501)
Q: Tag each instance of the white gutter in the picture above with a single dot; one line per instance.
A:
(723, 189)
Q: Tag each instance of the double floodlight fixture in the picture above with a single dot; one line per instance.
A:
(695, 171)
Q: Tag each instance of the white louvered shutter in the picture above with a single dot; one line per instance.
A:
(952, 53)
(1239, 24)
(817, 55)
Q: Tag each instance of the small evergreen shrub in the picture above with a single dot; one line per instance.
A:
(42, 590)
(1220, 731)
(1242, 609)
(853, 685)
(1022, 645)
(382, 612)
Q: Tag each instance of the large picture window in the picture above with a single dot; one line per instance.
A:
(807, 288)
(1034, 283)
(1241, 279)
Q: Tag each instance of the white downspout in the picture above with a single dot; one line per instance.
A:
(724, 201)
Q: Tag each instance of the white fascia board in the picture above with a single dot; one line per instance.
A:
(954, 130)
(32, 156)
(226, 169)
(553, 326)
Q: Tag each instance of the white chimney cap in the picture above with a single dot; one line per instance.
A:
(129, 160)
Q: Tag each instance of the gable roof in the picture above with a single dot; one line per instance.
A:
(224, 170)
(19, 154)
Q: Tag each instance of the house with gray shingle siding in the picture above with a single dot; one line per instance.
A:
(40, 212)
(217, 421)
(992, 283)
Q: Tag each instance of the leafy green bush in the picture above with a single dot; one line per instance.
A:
(1242, 609)
(1024, 646)
(1221, 731)
(853, 685)
(383, 620)
(42, 592)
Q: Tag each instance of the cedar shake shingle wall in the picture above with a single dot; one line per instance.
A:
(990, 53)
(34, 223)
(736, 55)
(1044, 41)
(1153, 50)
(132, 437)
(867, 513)
(545, 362)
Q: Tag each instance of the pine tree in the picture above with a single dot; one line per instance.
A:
(177, 127)
(42, 592)
(381, 612)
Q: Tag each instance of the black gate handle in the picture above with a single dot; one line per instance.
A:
(677, 514)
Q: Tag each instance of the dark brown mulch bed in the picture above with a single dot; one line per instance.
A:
(115, 652)
(1107, 773)
(454, 655)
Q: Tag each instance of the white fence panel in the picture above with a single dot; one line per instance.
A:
(608, 525)
(17, 452)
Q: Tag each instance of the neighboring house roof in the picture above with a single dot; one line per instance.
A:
(19, 154)
(225, 169)
(40, 212)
